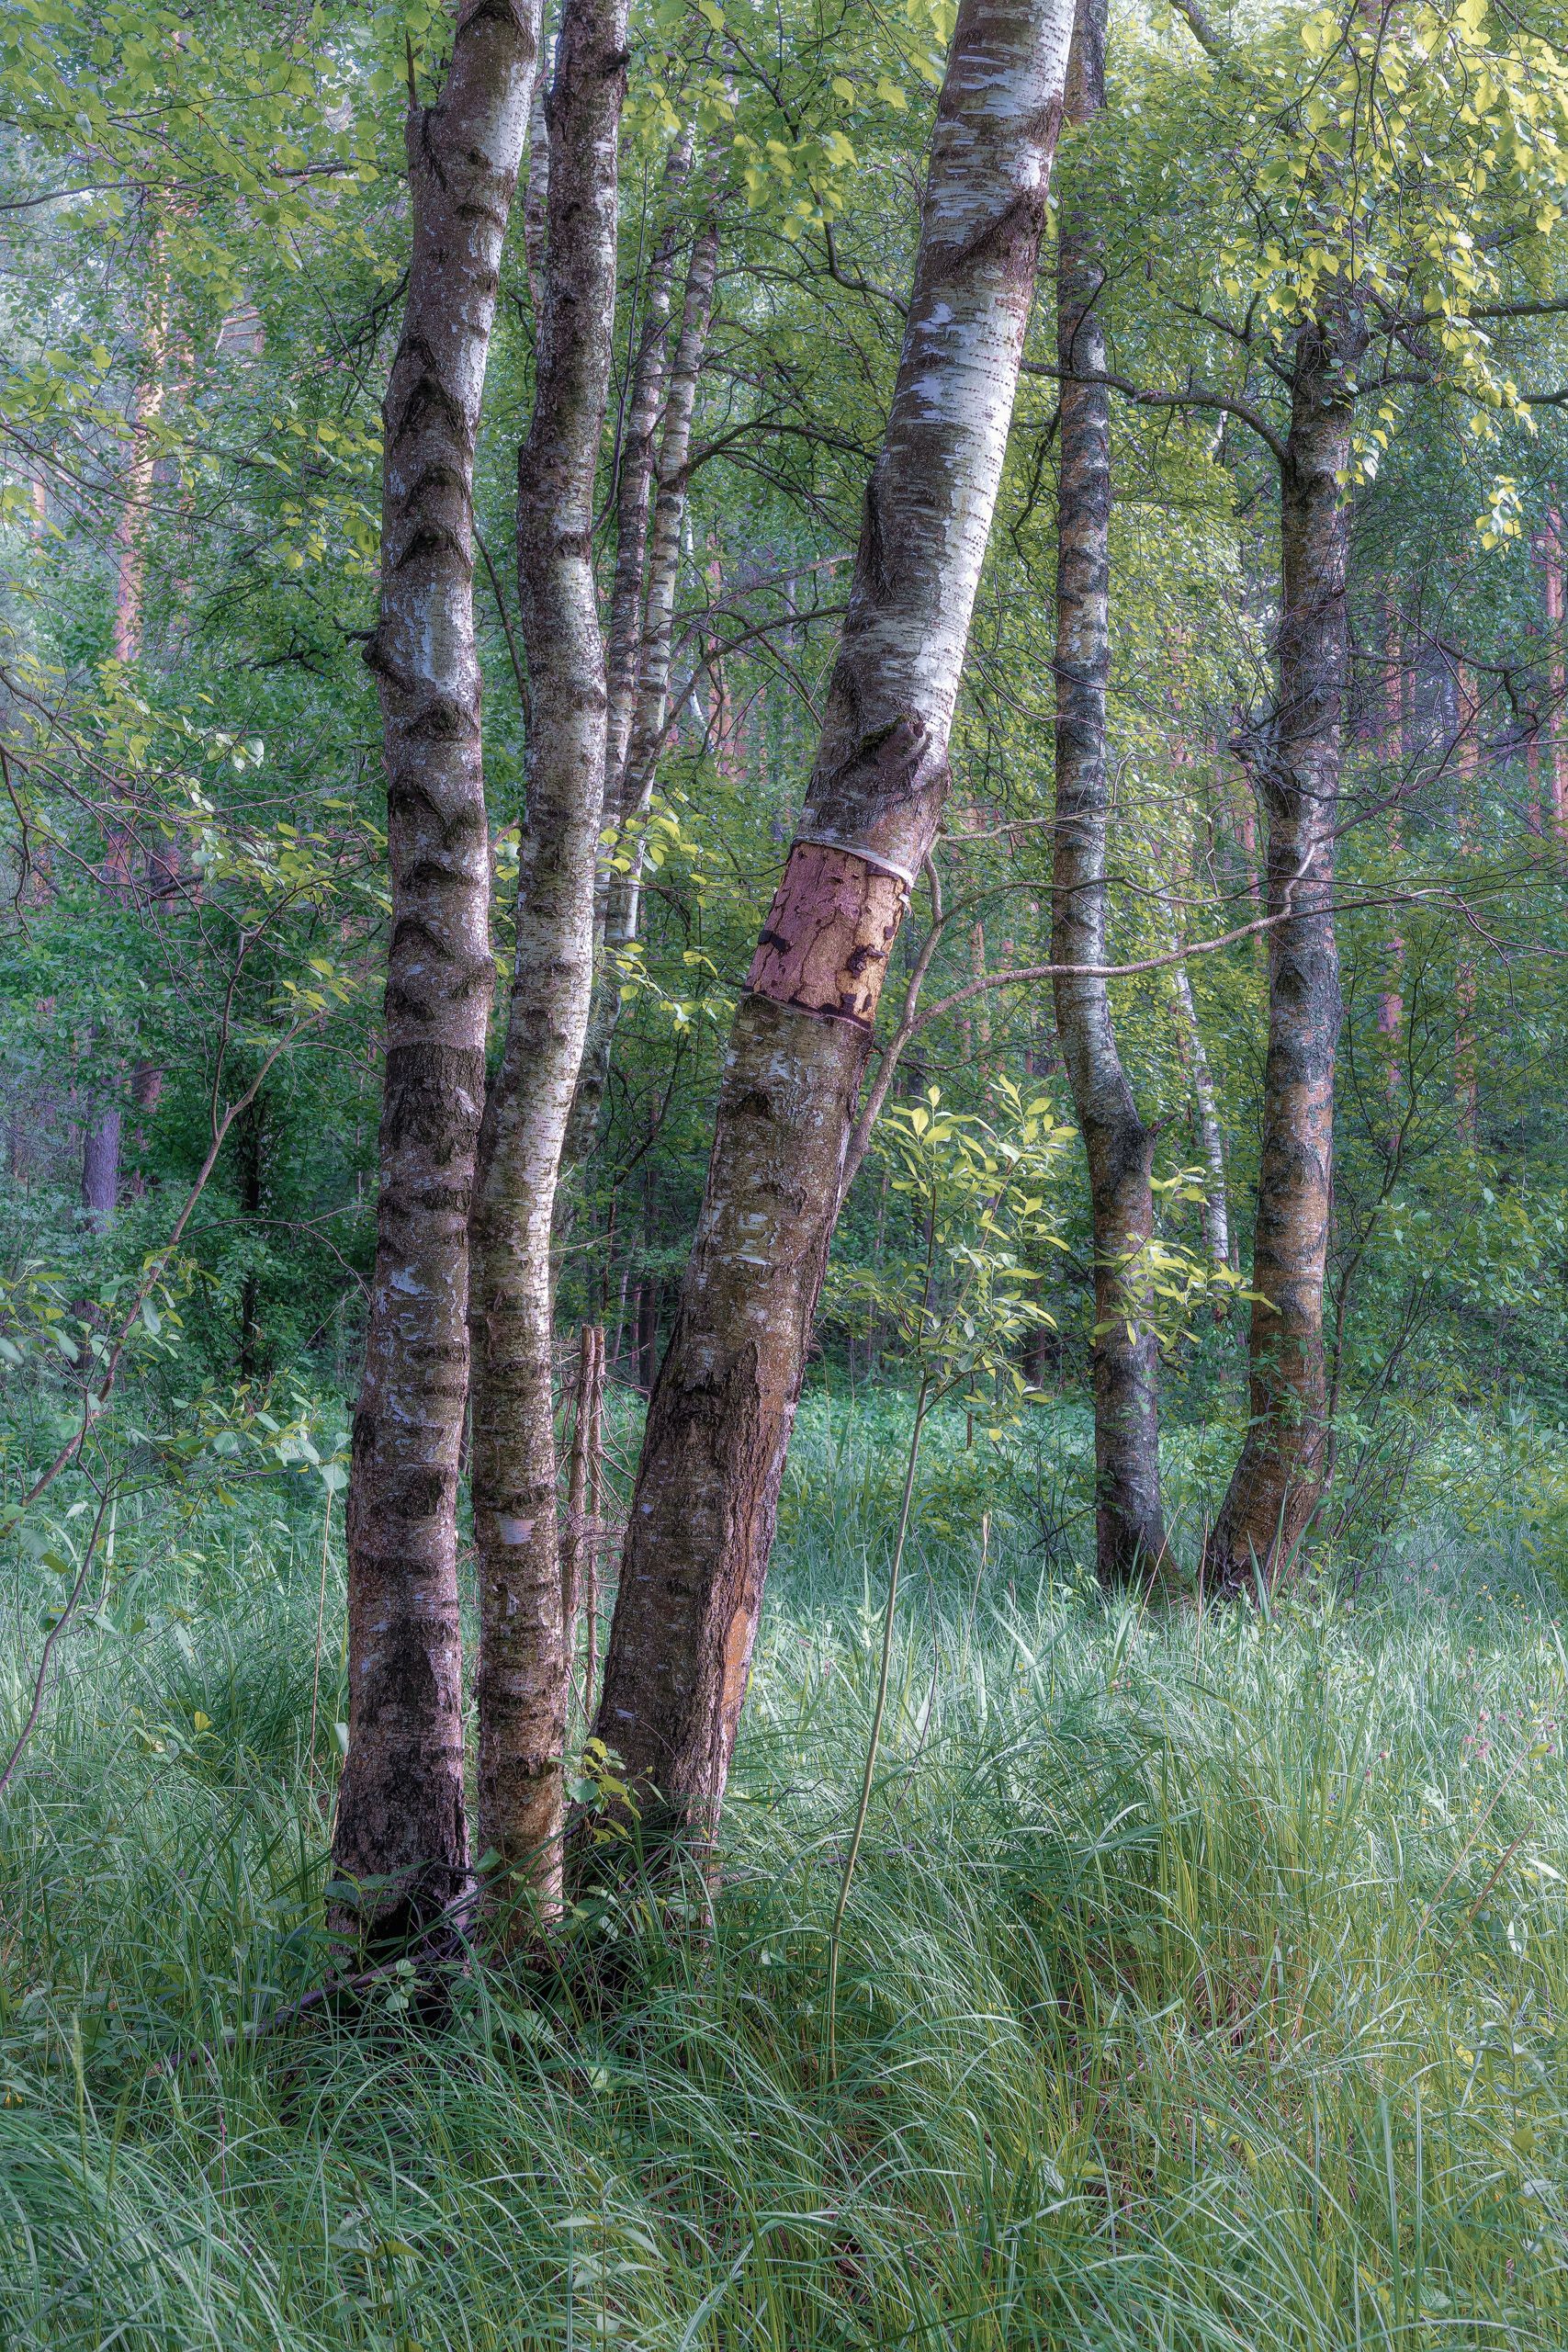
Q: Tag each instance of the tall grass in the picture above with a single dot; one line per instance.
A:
(1205, 1984)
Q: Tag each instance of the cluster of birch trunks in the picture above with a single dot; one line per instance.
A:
(473, 1148)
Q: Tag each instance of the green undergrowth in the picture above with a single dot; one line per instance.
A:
(1205, 1980)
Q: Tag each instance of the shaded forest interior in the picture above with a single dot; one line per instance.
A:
(784, 1290)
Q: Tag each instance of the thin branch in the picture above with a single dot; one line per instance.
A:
(505, 622)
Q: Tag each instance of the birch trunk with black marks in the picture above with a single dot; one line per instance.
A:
(637, 722)
(1123, 1351)
(705, 1499)
(401, 1830)
(1280, 1474)
(522, 1664)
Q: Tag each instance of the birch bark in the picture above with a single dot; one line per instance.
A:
(636, 726)
(401, 1831)
(1279, 1474)
(1123, 1351)
(522, 1664)
(1211, 1134)
(635, 477)
(705, 1499)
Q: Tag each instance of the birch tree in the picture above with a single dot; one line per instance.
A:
(706, 1498)
(522, 1664)
(1124, 1352)
(401, 1825)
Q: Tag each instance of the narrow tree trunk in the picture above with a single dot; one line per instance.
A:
(595, 1530)
(1123, 1351)
(1467, 1087)
(131, 532)
(1557, 724)
(634, 481)
(574, 1548)
(1280, 1475)
(707, 1495)
(251, 1130)
(629, 781)
(100, 1168)
(400, 1811)
(1211, 1134)
(1391, 996)
(523, 1661)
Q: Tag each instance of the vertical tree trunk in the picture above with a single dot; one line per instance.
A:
(131, 553)
(1211, 1134)
(100, 1168)
(634, 481)
(1391, 996)
(1557, 724)
(522, 1663)
(1280, 1475)
(1466, 829)
(1123, 1351)
(629, 781)
(707, 1495)
(400, 1812)
(249, 1131)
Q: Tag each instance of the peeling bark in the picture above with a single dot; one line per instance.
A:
(1280, 1475)
(1123, 1351)
(705, 1500)
(401, 1830)
(522, 1656)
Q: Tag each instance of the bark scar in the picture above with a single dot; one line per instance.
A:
(825, 946)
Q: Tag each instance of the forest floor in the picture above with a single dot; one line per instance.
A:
(1205, 1978)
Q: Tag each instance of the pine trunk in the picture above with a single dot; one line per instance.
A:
(523, 1661)
(1123, 1351)
(1275, 1488)
(401, 1830)
(720, 1420)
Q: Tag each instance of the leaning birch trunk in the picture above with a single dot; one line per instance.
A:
(1124, 1352)
(522, 1663)
(400, 1813)
(705, 1500)
(637, 737)
(1280, 1475)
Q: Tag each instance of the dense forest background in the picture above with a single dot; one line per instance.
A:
(1202, 1979)
(195, 364)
